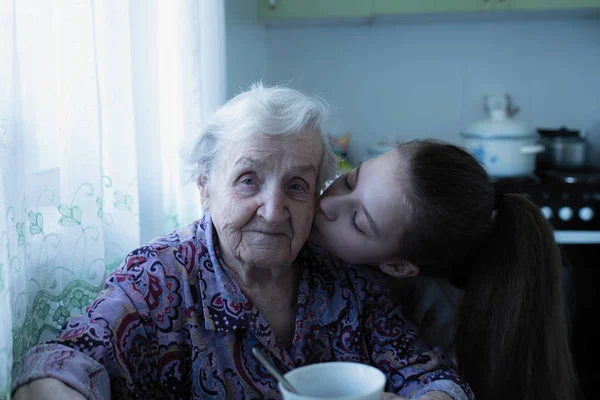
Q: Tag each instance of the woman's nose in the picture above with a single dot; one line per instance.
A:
(273, 208)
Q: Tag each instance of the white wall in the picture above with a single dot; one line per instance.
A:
(427, 79)
(246, 42)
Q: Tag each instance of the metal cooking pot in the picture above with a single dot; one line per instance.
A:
(504, 146)
(564, 149)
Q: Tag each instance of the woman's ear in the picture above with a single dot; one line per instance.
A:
(400, 269)
(203, 188)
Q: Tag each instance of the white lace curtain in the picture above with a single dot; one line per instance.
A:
(96, 96)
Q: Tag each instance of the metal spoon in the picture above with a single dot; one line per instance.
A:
(268, 365)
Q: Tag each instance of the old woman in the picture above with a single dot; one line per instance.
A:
(179, 318)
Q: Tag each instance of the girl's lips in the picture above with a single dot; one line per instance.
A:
(314, 231)
(314, 234)
(318, 217)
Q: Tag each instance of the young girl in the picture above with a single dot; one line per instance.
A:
(429, 208)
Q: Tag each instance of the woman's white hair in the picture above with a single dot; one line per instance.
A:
(277, 110)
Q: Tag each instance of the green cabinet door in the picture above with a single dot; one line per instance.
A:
(554, 4)
(399, 7)
(271, 10)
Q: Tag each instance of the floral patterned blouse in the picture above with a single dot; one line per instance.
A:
(171, 323)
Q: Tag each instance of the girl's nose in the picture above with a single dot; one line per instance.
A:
(329, 206)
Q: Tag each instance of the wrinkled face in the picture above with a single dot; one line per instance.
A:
(360, 216)
(262, 198)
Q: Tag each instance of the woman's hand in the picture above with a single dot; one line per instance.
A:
(47, 389)
(427, 396)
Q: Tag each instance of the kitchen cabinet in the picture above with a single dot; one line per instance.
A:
(554, 4)
(339, 11)
(290, 10)
(403, 7)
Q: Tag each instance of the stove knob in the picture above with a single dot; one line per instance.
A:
(586, 214)
(547, 211)
(565, 213)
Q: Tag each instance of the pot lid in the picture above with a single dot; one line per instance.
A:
(562, 135)
(500, 123)
(562, 132)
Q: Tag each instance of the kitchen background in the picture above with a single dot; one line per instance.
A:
(427, 77)
(119, 80)
(417, 78)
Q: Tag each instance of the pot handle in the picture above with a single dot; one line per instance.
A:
(533, 149)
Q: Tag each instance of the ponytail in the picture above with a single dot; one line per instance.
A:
(512, 338)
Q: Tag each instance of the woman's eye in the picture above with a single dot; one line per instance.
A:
(248, 181)
(297, 187)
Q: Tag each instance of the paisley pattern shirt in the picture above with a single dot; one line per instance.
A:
(171, 323)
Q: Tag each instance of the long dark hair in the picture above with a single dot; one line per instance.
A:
(512, 339)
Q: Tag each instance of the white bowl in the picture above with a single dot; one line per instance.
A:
(335, 380)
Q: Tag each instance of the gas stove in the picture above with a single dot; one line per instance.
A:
(571, 176)
(569, 199)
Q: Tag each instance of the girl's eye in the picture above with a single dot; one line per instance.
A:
(355, 225)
